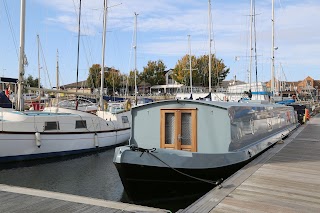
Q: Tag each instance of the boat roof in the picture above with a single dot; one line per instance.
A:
(219, 104)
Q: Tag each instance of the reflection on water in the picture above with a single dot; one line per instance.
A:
(91, 175)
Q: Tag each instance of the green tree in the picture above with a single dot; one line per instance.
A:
(200, 72)
(153, 73)
(181, 72)
(131, 81)
(94, 77)
(32, 82)
(113, 79)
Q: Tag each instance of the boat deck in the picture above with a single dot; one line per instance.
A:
(19, 199)
(283, 179)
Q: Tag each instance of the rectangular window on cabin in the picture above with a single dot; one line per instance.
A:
(51, 125)
(81, 124)
(125, 119)
(186, 127)
(169, 128)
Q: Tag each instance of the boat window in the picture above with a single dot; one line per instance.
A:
(186, 127)
(51, 125)
(125, 119)
(81, 124)
(169, 128)
(178, 129)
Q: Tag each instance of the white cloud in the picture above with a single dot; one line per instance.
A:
(164, 24)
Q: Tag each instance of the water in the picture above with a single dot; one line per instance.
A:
(91, 175)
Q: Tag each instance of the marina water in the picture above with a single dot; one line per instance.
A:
(91, 175)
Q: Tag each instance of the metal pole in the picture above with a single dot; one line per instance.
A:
(135, 58)
(20, 104)
(251, 49)
(57, 77)
(103, 52)
(190, 63)
(78, 53)
(38, 41)
(272, 51)
(209, 17)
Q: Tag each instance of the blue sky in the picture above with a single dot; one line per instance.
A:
(163, 26)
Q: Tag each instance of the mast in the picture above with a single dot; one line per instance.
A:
(272, 52)
(135, 58)
(78, 54)
(190, 64)
(20, 104)
(251, 49)
(57, 72)
(209, 17)
(255, 47)
(103, 52)
(38, 41)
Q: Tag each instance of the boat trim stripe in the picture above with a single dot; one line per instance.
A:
(61, 133)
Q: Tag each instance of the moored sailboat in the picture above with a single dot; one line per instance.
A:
(55, 131)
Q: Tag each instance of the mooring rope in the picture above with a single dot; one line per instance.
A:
(150, 151)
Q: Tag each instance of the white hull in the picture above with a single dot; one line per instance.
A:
(23, 145)
(23, 134)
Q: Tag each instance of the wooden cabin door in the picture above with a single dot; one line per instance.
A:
(178, 129)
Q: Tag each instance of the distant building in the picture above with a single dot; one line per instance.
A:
(169, 88)
(306, 89)
(81, 84)
(82, 87)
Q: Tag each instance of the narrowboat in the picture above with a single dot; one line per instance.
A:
(186, 147)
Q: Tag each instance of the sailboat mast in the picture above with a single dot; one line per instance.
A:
(20, 104)
(57, 71)
(103, 52)
(251, 49)
(79, 24)
(38, 41)
(209, 22)
(189, 42)
(272, 52)
(135, 57)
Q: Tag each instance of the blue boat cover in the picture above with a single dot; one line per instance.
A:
(4, 101)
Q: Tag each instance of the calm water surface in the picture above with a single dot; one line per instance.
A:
(91, 175)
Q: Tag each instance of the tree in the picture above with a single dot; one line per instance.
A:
(181, 72)
(32, 82)
(153, 73)
(94, 78)
(131, 80)
(200, 72)
(113, 79)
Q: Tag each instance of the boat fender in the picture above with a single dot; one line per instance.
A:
(218, 183)
(38, 139)
(96, 140)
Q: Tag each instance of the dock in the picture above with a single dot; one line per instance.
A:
(20, 199)
(283, 179)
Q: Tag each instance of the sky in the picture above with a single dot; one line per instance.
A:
(163, 27)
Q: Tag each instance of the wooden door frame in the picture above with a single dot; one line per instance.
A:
(176, 143)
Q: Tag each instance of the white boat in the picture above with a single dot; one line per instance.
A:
(56, 131)
(35, 134)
